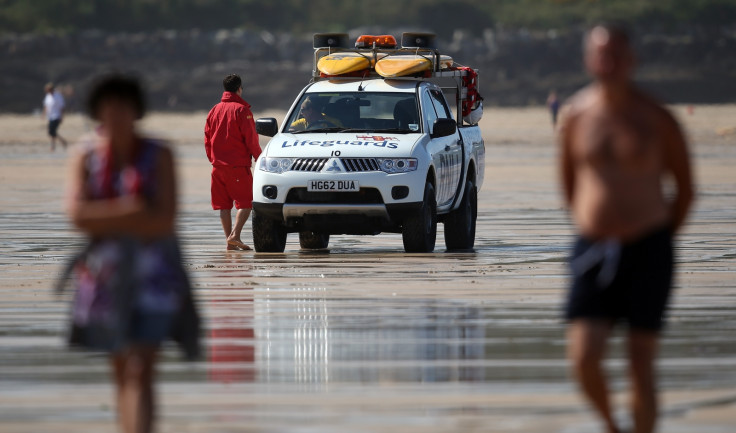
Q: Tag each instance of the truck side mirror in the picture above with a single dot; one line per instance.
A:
(267, 126)
(443, 128)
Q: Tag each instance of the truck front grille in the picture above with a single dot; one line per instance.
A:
(360, 164)
(352, 165)
(309, 164)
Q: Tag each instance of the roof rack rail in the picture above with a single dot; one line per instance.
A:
(420, 44)
(454, 78)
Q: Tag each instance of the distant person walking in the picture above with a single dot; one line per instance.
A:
(53, 108)
(231, 143)
(553, 103)
(131, 290)
(617, 144)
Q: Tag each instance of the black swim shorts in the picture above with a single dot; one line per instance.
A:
(630, 281)
(54, 127)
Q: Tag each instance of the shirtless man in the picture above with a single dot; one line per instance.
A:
(617, 144)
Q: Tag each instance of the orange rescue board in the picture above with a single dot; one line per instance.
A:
(407, 64)
(344, 63)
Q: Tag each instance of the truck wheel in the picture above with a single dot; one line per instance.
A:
(460, 223)
(420, 231)
(269, 236)
(313, 241)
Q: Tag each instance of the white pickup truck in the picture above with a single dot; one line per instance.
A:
(385, 155)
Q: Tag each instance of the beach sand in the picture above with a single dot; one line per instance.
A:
(366, 338)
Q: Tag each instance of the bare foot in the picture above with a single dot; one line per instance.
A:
(237, 243)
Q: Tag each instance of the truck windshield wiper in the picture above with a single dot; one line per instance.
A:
(327, 129)
(397, 130)
(343, 129)
(372, 130)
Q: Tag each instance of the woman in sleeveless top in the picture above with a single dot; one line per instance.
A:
(130, 286)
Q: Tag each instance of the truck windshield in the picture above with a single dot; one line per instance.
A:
(356, 111)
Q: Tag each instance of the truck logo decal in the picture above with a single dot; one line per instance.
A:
(375, 138)
(334, 166)
(385, 142)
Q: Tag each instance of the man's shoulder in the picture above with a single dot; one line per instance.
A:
(654, 108)
(241, 105)
(243, 111)
(582, 99)
(232, 106)
(653, 102)
(575, 106)
(214, 108)
(212, 113)
(222, 106)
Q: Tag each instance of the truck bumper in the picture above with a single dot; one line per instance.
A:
(339, 218)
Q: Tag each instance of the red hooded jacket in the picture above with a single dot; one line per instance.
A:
(230, 137)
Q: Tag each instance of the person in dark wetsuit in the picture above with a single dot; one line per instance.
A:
(616, 146)
(553, 103)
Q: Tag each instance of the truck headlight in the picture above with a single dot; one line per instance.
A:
(397, 165)
(275, 165)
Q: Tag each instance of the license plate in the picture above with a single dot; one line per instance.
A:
(333, 185)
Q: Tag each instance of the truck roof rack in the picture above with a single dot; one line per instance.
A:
(456, 79)
(334, 43)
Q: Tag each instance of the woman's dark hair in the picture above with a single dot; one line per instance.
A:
(232, 83)
(119, 87)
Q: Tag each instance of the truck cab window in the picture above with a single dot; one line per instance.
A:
(429, 113)
(440, 105)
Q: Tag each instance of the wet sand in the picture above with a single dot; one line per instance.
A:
(366, 338)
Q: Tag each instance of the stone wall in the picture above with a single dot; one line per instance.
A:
(183, 69)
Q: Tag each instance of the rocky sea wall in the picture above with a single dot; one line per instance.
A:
(183, 69)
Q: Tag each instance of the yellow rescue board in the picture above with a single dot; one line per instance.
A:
(408, 64)
(344, 63)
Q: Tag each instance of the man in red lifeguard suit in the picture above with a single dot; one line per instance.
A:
(231, 142)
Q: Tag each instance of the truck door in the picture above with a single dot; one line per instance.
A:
(446, 151)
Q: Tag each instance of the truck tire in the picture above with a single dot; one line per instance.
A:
(313, 241)
(269, 236)
(419, 232)
(460, 223)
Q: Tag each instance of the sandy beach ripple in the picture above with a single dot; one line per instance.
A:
(363, 337)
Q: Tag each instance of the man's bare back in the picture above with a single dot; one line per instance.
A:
(615, 158)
